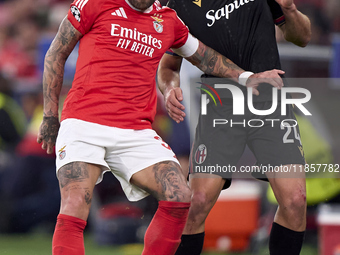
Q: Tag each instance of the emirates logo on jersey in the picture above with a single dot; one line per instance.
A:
(135, 40)
(157, 23)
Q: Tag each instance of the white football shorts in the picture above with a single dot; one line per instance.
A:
(121, 151)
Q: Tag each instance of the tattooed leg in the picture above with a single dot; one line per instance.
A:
(165, 181)
(77, 181)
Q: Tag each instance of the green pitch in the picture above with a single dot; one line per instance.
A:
(40, 244)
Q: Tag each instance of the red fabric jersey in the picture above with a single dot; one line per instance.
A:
(114, 83)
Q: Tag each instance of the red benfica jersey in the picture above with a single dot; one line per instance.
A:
(114, 83)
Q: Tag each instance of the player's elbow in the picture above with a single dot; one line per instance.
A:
(303, 44)
(300, 38)
(301, 41)
(305, 39)
(306, 35)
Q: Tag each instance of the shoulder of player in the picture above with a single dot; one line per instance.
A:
(94, 5)
(82, 3)
(169, 12)
(107, 4)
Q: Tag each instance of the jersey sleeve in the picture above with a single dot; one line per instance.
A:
(181, 33)
(278, 16)
(184, 43)
(82, 14)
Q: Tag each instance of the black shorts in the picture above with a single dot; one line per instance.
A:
(221, 138)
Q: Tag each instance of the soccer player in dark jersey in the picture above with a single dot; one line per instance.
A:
(107, 115)
(244, 31)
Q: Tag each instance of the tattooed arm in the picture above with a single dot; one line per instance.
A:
(213, 63)
(61, 47)
(210, 62)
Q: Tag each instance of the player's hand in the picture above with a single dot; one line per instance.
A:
(272, 77)
(172, 99)
(287, 4)
(48, 132)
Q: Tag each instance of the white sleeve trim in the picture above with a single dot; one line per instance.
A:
(189, 48)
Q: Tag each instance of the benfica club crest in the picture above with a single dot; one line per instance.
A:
(200, 154)
(157, 23)
(62, 153)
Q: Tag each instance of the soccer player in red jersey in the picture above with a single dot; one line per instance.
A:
(107, 115)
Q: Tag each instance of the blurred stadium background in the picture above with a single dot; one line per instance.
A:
(240, 221)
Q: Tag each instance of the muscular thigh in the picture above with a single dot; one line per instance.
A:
(163, 180)
(218, 147)
(77, 179)
(135, 151)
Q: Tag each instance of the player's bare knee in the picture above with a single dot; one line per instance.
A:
(201, 203)
(77, 200)
(298, 201)
(76, 193)
(295, 203)
(76, 203)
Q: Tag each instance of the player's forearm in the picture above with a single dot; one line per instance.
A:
(168, 73)
(56, 56)
(213, 63)
(167, 79)
(297, 28)
(52, 83)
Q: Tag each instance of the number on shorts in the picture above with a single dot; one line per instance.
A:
(164, 144)
(288, 131)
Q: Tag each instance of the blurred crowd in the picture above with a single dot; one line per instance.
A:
(27, 173)
(324, 16)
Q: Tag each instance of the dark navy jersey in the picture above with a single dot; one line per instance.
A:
(241, 30)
